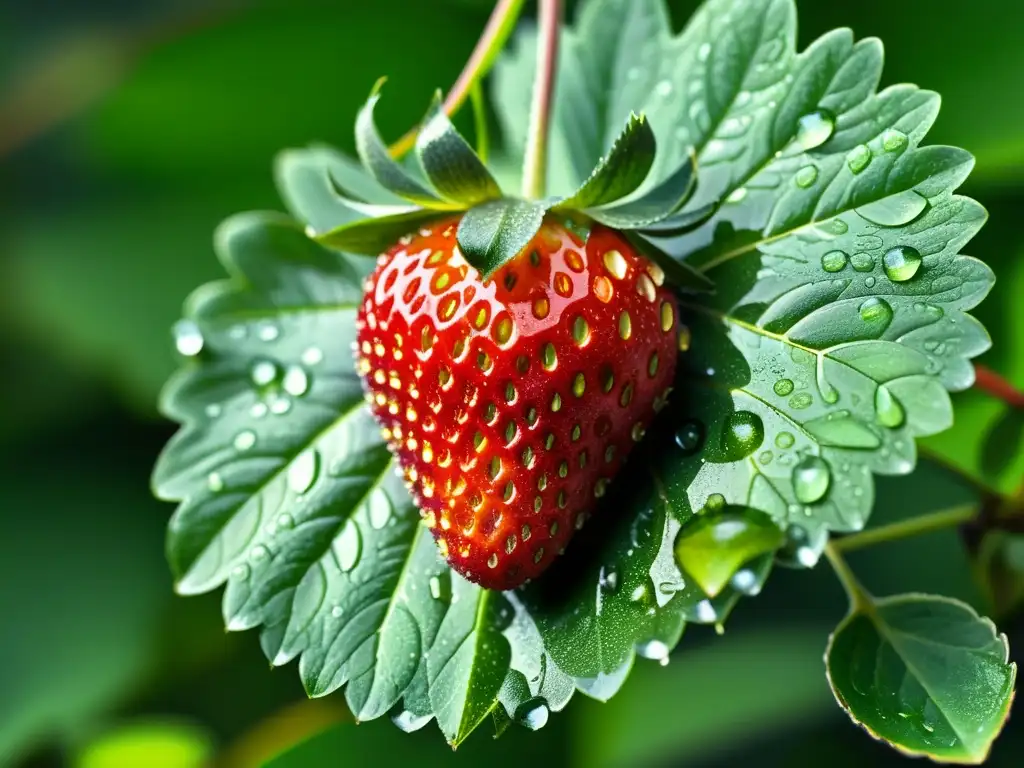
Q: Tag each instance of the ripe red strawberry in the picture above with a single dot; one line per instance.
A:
(512, 402)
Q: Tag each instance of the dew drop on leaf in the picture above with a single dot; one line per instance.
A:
(245, 440)
(295, 381)
(440, 588)
(348, 546)
(858, 158)
(783, 387)
(814, 129)
(745, 582)
(379, 509)
(215, 482)
(303, 471)
(736, 195)
(800, 400)
(259, 553)
(285, 521)
(869, 282)
(715, 501)
(188, 339)
(268, 332)
(533, 713)
(893, 140)
(664, 88)
(608, 580)
(862, 262)
(742, 434)
(213, 410)
(784, 440)
(901, 263)
(409, 722)
(655, 650)
(887, 408)
(704, 51)
(313, 356)
(877, 314)
(894, 210)
(811, 478)
(690, 436)
(806, 176)
(833, 261)
(263, 373)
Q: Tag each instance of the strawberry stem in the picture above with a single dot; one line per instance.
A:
(499, 26)
(483, 143)
(992, 383)
(536, 162)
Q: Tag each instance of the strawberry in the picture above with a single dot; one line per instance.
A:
(512, 402)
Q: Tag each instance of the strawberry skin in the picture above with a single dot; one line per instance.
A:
(512, 403)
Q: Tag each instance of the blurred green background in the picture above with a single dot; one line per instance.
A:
(128, 130)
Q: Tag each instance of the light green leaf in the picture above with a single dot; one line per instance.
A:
(373, 236)
(925, 674)
(714, 546)
(621, 171)
(491, 234)
(450, 163)
(376, 158)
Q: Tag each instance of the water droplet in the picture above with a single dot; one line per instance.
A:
(240, 572)
(737, 195)
(348, 546)
(765, 457)
(869, 282)
(655, 650)
(280, 405)
(894, 210)
(901, 263)
(784, 440)
(893, 140)
(833, 261)
(783, 387)
(378, 509)
(263, 373)
(745, 582)
(303, 471)
(876, 313)
(814, 129)
(409, 722)
(806, 176)
(715, 501)
(213, 410)
(258, 554)
(858, 158)
(188, 339)
(811, 478)
(742, 434)
(800, 400)
(887, 408)
(245, 440)
(533, 713)
(295, 381)
(703, 51)
(268, 332)
(312, 356)
(862, 262)
(215, 482)
(634, 73)
(690, 436)
(664, 88)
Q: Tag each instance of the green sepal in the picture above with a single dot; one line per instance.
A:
(682, 222)
(656, 204)
(358, 206)
(450, 163)
(681, 275)
(373, 236)
(376, 158)
(621, 171)
(491, 234)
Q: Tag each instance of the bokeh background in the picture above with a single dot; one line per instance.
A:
(128, 130)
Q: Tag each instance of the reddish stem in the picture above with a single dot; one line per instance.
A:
(535, 164)
(992, 383)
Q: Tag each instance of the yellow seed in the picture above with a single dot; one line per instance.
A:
(494, 468)
(503, 331)
(607, 380)
(479, 441)
(549, 441)
(580, 330)
(429, 519)
(542, 482)
(379, 377)
(652, 365)
(510, 544)
(579, 385)
(435, 258)
(444, 376)
(603, 288)
(484, 362)
(656, 273)
(583, 459)
(609, 454)
(553, 530)
(541, 307)
(576, 432)
(490, 412)
(531, 416)
(561, 500)
(528, 457)
(426, 339)
(526, 532)
(556, 403)
(684, 338)
(378, 349)
(538, 502)
(538, 555)
(510, 432)
(638, 432)
(625, 325)
(563, 469)
(442, 548)
(441, 281)
(492, 561)
(600, 487)
(548, 357)
(668, 316)
(481, 318)
(510, 392)
(460, 348)
(367, 348)
(509, 491)
(627, 395)
(615, 263)
(645, 287)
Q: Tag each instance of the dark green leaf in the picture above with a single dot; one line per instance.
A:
(374, 154)
(491, 234)
(1002, 442)
(653, 206)
(680, 274)
(999, 569)
(715, 545)
(681, 223)
(621, 171)
(450, 162)
(373, 236)
(924, 673)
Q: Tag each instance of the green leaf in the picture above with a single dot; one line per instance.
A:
(450, 162)
(491, 234)
(373, 236)
(653, 206)
(171, 744)
(925, 674)
(376, 158)
(716, 545)
(681, 275)
(621, 171)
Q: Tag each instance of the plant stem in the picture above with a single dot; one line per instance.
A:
(934, 521)
(535, 164)
(992, 383)
(860, 600)
(483, 143)
(499, 26)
